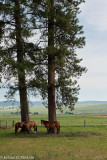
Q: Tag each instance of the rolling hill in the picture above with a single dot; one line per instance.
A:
(86, 107)
(17, 103)
(39, 103)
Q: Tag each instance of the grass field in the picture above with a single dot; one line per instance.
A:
(75, 141)
(99, 108)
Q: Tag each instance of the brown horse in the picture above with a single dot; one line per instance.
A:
(28, 125)
(51, 125)
(17, 126)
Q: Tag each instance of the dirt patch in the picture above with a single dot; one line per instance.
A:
(4, 127)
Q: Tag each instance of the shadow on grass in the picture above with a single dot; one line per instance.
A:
(9, 133)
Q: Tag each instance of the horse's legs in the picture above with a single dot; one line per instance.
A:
(35, 129)
(16, 129)
(51, 130)
(28, 129)
(47, 130)
(58, 129)
(55, 129)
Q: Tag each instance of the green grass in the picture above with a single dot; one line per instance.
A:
(79, 108)
(75, 142)
(65, 120)
(99, 108)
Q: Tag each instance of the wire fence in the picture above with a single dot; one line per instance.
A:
(6, 124)
(83, 123)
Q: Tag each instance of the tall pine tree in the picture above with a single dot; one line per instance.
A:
(54, 67)
(20, 61)
(60, 37)
(15, 16)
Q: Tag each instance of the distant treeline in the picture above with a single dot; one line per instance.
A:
(19, 113)
(39, 103)
(17, 103)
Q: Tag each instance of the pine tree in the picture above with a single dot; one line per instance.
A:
(53, 66)
(20, 61)
(60, 37)
(13, 56)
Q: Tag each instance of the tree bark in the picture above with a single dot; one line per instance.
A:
(51, 91)
(51, 67)
(20, 61)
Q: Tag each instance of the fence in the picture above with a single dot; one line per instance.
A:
(65, 121)
(11, 124)
(6, 124)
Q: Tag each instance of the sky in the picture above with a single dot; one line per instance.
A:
(93, 84)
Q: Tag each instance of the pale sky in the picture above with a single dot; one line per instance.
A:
(93, 84)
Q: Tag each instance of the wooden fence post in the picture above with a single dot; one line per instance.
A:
(12, 123)
(6, 124)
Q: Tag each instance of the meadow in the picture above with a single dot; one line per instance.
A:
(91, 108)
(76, 141)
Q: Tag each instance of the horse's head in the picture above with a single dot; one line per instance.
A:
(42, 122)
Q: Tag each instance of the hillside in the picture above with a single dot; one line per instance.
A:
(39, 103)
(91, 108)
(91, 102)
(17, 103)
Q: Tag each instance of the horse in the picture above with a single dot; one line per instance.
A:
(51, 125)
(17, 126)
(28, 125)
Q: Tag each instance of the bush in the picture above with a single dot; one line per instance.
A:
(68, 113)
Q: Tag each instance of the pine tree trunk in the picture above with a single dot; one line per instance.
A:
(51, 68)
(51, 90)
(20, 60)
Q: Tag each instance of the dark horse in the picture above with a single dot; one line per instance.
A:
(51, 125)
(17, 126)
(26, 125)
